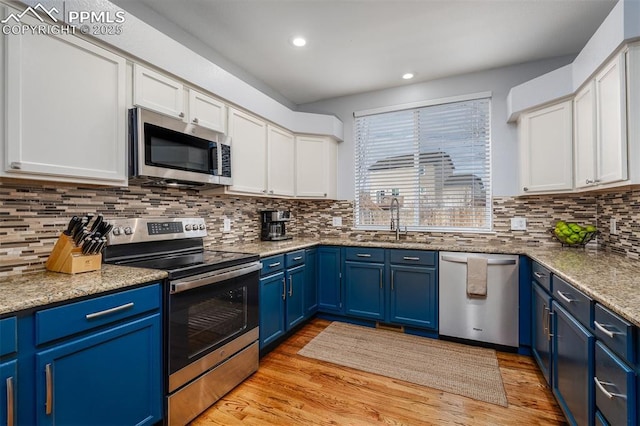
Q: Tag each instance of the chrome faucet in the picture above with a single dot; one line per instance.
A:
(395, 225)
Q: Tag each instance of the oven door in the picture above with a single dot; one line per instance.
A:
(208, 312)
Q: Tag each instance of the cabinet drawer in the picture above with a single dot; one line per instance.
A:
(412, 257)
(272, 264)
(576, 302)
(8, 336)
(364, 254)
(55, 323)
(541, 275)
(615, 332)
(614, 387)
(294, 258)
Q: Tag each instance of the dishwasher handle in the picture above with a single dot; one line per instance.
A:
(489, 261)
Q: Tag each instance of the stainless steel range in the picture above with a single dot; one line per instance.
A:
(210, 308)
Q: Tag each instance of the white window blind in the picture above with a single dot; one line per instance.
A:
(435, 159)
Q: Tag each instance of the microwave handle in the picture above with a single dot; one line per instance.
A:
(214, 158)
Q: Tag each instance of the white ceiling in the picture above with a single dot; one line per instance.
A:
(358, 46)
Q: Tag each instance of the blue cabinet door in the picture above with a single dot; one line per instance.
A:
(413, 298)
(364, 288)
(311, 283)
(272, 297)
(295, 296)
(540, 330)
(329, 280)
(573, 348)
(112, 377)
(8, 393)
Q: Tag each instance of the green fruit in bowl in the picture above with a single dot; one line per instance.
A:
(591, 228)
(575, 227)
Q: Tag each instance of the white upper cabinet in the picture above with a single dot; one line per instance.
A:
(546, 154)
(248, 153)
(316, 167)
(208, 112)
(600, 141)
(584, 112)
(159, 93)
(65, 110)
(281, 162)
(611, 141)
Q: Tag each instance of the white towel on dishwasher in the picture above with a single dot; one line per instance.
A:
(477, 276)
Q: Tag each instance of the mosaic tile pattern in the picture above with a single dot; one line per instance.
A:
(32, 215)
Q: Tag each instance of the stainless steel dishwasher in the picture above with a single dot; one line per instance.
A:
(492, 319)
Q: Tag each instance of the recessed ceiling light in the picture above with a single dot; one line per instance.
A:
(298, 41)
(407, 76)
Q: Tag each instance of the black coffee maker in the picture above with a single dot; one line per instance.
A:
(273, 225)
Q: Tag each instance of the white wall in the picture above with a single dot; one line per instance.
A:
(504, 135)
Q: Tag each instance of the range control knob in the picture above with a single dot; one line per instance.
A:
(116, 231)
(202, 227)
(128, 230)
(187, 227)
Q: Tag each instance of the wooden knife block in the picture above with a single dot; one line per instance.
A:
(67, 258)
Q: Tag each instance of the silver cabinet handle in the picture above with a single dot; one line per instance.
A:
(588, 181)
(606, 393)
(290, 286)
(284, 288)
(49, 393)
(273, 265)
(602, 328)
(264, 191)
(15, 165)
(545, 321)
(195, 120)
(363, 255)
(411, 258)
(110, 311)
(10, 402)
(565, 298)
(297, 258)
(271, 192)
(525, 189)
(551, 314)
(380, 278)
(392, 274)
(539, 275)
(181, 115)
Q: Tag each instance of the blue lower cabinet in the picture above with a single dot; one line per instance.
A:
(615, 388)
(272, 297)
(295, 280)
(330, 280)
(311, 283)
(8, 393)
(573, 367)
(111, 377)
(413, 297)
(541, 330)
(364, 290)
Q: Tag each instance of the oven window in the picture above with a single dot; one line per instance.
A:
(205, 318)
(214, 320)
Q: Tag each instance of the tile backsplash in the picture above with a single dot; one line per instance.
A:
(32, 215)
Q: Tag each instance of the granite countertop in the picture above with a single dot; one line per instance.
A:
(611, 279)
(28, 291)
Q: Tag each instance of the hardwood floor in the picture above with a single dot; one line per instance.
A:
(290, 389)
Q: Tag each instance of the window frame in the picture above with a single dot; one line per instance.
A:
(414, 106)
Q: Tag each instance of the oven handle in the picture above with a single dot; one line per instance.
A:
(215, 277)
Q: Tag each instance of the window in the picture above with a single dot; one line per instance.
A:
(435, 159)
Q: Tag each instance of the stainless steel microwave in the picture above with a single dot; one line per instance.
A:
(166, 151)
